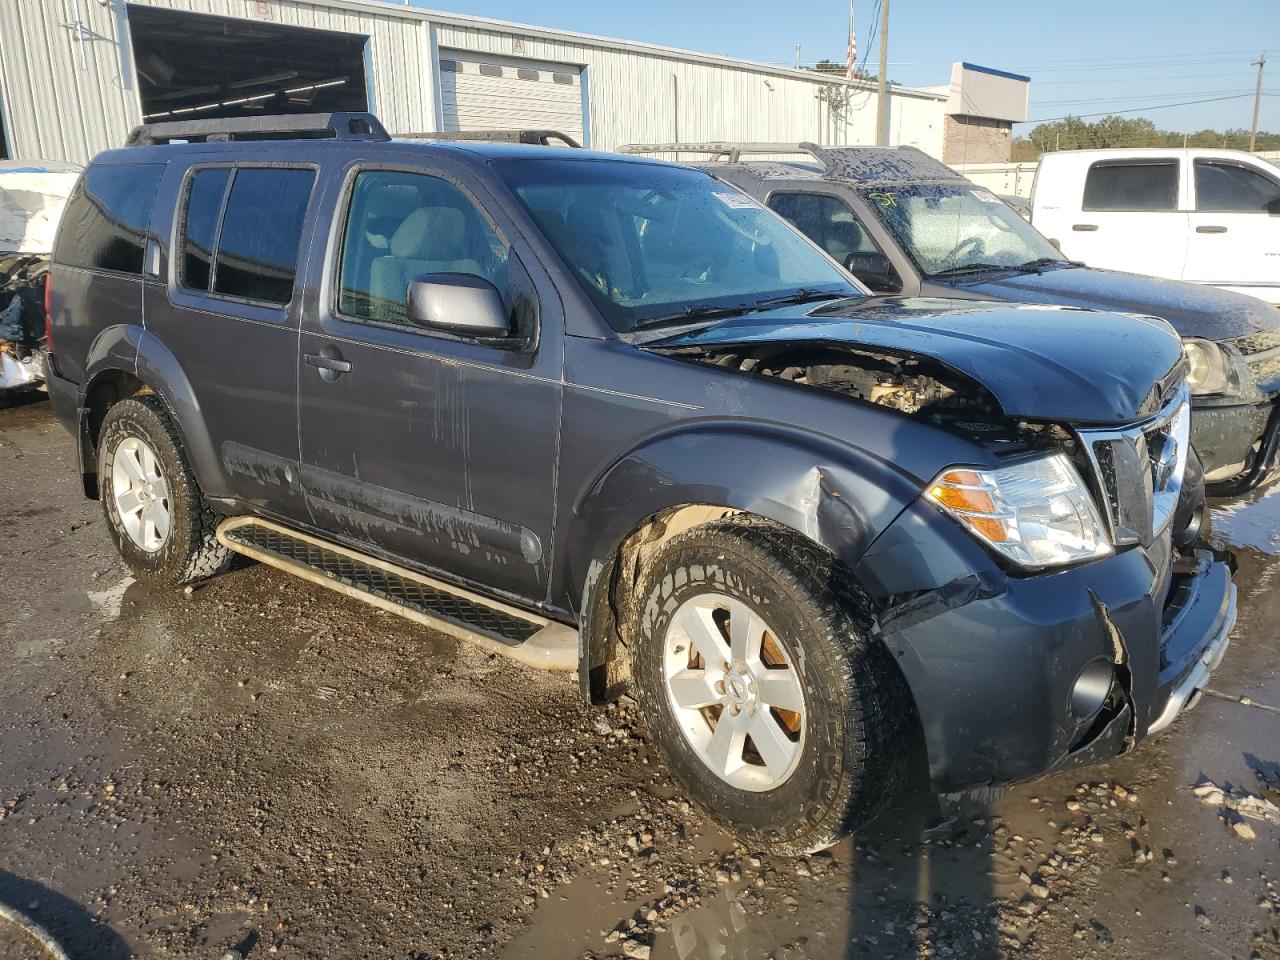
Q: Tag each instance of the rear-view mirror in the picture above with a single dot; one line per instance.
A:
(874, 271)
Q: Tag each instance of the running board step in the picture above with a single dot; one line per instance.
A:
(498, 627)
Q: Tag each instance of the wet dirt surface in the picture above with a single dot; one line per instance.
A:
(265, 764)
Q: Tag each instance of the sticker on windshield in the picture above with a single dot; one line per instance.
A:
(735, 201)
(986, 197)
(885, 198)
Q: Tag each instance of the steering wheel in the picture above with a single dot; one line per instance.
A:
(699, 270)
(972, 245)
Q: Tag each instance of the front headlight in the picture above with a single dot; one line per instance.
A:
(1036, 512)
(1208, 367)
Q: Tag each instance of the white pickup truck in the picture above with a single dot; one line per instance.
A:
(1207, 216)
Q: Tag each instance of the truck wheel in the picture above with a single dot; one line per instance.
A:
(161, 524)
(774, 709)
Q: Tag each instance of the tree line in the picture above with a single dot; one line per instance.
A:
(1073, 133)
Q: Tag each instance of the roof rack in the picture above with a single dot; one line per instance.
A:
(731, 151)
(292, 126)
(541, 138)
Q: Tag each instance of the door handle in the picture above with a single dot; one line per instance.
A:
(327, 363)
(330, 365)
(1211, 229)
(1084, 227)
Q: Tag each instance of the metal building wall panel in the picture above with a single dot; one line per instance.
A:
(651, 96)
(58, 108)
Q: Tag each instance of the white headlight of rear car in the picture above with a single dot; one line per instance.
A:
(1208, 368)
(1037, 512)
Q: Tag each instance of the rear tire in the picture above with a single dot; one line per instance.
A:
(840, 757)
(159, 521)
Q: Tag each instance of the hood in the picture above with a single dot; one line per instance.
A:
(1193, 309)
(1052, 363)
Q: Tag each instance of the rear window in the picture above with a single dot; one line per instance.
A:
(261, 231)
(242, 241)
(104, 225)
(200, 226)
(1234, 188)
(1132, 185)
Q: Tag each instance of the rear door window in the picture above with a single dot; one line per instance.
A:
(1132, 185)
(1227, 187)
(104, 225)
(200, 226)
(257, 248)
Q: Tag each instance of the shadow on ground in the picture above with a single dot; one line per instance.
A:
(77, 931)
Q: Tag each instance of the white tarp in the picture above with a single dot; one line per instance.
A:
(32, 195)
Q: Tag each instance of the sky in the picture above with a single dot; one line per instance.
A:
(1083, 56)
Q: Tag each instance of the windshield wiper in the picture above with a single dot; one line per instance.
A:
(1039, 263)
(803, 295)
(971, 268)
(691, 314)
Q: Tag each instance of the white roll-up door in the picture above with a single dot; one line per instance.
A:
(486, 92)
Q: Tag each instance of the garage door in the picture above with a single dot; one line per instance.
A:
(481, 92)
(196, 66)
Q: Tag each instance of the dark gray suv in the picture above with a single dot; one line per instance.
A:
(612, 415)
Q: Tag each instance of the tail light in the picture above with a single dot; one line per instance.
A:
(48, 312)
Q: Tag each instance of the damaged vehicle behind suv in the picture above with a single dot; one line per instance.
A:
(32, 196)
(612, 415)
(906, 224)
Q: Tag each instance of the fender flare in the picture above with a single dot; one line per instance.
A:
(130, 349)
(836, 495)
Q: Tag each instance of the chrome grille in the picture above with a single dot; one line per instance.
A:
(1138, 471)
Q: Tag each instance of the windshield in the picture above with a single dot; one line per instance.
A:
(950, 227)
(652, 243)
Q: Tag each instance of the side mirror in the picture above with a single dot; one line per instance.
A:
(1055, 243)
(458, 303)
(875, 271)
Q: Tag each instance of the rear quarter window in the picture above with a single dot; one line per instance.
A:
(104, 225)
(1132, 185)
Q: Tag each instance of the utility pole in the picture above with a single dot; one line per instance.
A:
(1257, 100)
(797, 56)
(882, 107)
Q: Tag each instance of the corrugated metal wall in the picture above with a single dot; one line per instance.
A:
(644, 96)
(58, 108)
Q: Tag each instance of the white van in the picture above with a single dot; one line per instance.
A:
(1207, 216)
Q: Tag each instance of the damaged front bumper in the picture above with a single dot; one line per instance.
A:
(1016, 676)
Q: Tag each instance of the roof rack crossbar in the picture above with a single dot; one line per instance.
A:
(534, 136)
(292, 126)
(731, 150)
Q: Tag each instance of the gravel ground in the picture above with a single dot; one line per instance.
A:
(264, 764)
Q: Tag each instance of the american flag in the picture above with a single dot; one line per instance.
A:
(851, 57)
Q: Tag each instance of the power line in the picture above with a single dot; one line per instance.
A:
(1159, 106)
(1138, 98)
(1114, 80)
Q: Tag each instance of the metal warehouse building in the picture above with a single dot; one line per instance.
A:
(77, 75)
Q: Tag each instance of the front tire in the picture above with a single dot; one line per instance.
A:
(160, 523)
(775, 711)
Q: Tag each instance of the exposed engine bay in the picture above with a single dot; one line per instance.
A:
(917, 387)
(22, 280)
